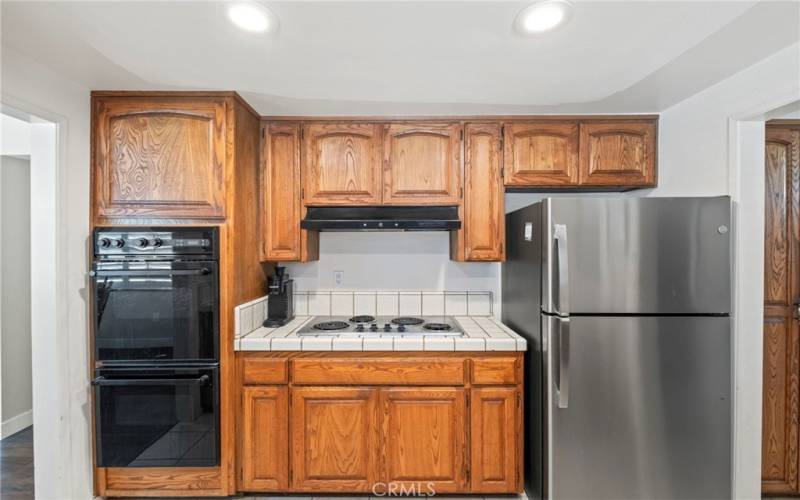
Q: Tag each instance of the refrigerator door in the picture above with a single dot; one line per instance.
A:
(647, 412)
(636, 255)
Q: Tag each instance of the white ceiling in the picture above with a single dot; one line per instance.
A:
(407, 57)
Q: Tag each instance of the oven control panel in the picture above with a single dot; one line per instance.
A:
(143, 241)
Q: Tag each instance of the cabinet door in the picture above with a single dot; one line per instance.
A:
(280, 192)
(342, 164)
(618, 154)
(422, 164)
(334, 439)
(159, 157)
(424, 438)
(495, 436)
(541, 154)
(484, 194)
(264, 446)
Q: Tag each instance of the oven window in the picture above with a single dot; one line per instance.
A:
(156, 311)
(152, 419)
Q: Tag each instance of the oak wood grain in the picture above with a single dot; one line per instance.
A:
(541, 153)
(484, 197)
(494, 440)
(618, 154)
(342, 163)
(398, 371)
(157, 482)
(280, 192)
(497, 371)
(264, 439)
(264, 371)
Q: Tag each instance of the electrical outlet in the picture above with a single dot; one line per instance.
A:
(338, 277)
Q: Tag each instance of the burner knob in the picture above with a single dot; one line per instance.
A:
(119, 243)
(156, 242)
(142, 242)
(105, 243)
(387, 327)
(373, 327)
(401, 328)
(360, 328)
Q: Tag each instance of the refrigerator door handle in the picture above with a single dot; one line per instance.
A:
(562, 386)
(560, 242)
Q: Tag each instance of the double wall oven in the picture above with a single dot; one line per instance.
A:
(156, 346)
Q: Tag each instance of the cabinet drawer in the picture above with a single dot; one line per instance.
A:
(257, 371)
(355, 371)
(496, 371)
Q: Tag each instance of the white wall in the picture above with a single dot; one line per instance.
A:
(63, 461)
(15, 294)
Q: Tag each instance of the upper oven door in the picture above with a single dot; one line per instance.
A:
(156, 311)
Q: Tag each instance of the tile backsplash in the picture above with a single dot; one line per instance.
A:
(385, 303)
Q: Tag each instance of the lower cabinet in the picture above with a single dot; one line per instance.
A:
(383, 439)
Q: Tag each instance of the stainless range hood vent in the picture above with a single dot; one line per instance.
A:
(417, 218)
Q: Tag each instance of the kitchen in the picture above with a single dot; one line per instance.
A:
(329, 298)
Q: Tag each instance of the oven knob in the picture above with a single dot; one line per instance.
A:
(105, 243)
(156, 242)
(142, 242)
(119, 243)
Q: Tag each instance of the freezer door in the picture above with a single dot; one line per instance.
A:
(647, 414)
(636, 255)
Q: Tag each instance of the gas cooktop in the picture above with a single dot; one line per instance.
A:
(381, 325)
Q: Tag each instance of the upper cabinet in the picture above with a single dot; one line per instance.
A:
(159, 157)
(541, 153)
(484, 197)
(280, 191)
(342, 164)
(618, 154)
(422, 164)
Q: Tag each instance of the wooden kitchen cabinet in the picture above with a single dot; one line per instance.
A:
(342, 163)
(334, 438)
(424, 437)
(422, 164)
(618, 154)
(281, 204)
(543, 154)
(159, 157)
(483, 226)
(265, 450)
(496, 424)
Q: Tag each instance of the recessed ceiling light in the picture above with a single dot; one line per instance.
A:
(543, 16)
(252, 16)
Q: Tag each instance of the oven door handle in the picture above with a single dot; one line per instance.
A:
(101, 380)
(153, 272)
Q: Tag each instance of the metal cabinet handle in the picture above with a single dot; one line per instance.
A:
(154, 272)
(562, 251)
(101, 380)
(563, 363)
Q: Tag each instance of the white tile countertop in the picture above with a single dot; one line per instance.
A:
(481, 333)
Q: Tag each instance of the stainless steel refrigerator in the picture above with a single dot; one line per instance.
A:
(625, 304)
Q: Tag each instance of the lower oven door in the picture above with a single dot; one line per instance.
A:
(157, 417)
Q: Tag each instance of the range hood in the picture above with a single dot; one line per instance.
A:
(381, 219)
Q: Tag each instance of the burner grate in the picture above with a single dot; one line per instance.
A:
(364, 318)
(437, 327)
(408, 320)
(331, 325)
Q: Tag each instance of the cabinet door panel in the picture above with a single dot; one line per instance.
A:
(281, 207)
(422, 164)
(265, 450)
(423, 438)
(494, 434)
(484, 194)
(160, 158)
(342, 164)
(334, 439)
(618, 154)
(541, 154)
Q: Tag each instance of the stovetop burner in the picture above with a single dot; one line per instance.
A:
(364, 318)
(437, 327)
(331, 325)
(408, 320)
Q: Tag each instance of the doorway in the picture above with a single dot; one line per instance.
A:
(780, 449)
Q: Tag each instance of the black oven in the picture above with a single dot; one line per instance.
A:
(157, 417)
(156, 295)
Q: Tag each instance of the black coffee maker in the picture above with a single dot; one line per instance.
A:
(280, 304)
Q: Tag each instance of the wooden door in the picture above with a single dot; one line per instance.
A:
(280, 192)
(159, 157)
(342, 163)
(779, 451)
(422, 164)
(618, 154)
(334, 439)
(423, 439)
(264, 444)
(495, 436)
(541, 154)
(484, 194)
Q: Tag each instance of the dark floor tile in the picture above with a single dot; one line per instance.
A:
(16, 466)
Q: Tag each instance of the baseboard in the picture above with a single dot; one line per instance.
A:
(15, 424)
